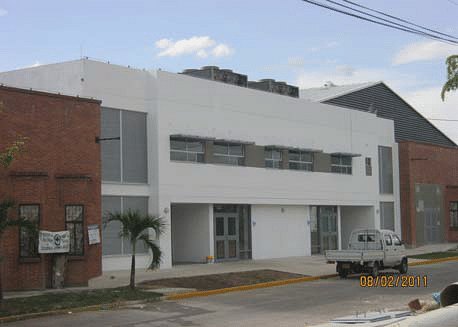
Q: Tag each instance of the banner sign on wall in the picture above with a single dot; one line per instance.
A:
(93, 234)
(54, 242)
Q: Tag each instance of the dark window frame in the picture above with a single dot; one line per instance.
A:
(300, 164)
(368, 164)
(190, 155)
(341, 167)
(453, 214)
(229, 158)
(31, 253)
(73, 251)
(270, 161)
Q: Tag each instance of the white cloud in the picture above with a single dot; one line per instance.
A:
(202, 54)
(221, 50)
(424, 50)
(164, 43)
(201, 46)
(3, 12)
(428, 102)
(343, 75)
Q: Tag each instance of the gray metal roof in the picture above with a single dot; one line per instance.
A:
(377, 97)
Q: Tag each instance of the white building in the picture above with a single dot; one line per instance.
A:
(198, 153)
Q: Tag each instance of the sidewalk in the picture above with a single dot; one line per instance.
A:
(309, 266)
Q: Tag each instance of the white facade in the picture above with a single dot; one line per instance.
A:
(280, 201)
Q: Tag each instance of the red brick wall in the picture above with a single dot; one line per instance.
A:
(426, 164)
(61, 146)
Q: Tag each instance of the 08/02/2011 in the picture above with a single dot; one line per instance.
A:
(393, 281)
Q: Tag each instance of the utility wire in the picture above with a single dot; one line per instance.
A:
(439, 119)
(403, 28)
(389, 21)
(399, 19)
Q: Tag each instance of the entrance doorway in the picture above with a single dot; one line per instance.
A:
(323, 221)
(232, 232)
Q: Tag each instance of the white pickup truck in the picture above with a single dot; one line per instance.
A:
(369, 250)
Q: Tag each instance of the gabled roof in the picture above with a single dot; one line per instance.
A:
(378, 98)
(329, 91)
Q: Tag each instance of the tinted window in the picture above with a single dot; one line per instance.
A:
(388, 240)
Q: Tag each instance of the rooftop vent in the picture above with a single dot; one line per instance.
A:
(214, 73)
(270, 85)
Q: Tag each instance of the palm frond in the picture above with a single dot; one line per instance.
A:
(157, 254)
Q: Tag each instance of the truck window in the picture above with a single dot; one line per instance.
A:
(396, 240)
(388, 240)
(366, 238)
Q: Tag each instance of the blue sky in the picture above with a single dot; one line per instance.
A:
(289, 40)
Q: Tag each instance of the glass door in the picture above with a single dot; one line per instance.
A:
(226, 235)
(328, 228)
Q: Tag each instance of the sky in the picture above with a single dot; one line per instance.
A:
(288, 40)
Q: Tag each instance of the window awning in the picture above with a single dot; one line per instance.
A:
(346, 154)
(231, 141)
(191, 137)
(283, 147)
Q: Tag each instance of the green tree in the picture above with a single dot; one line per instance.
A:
(5, 222)
(135, 227)
(13, 151)
(452, 75)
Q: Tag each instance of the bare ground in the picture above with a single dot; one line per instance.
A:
(217, 281)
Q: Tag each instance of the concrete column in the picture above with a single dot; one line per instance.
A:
(339, 229)
(211, 229)
(165, 239)
(284, 156)
(254, 156)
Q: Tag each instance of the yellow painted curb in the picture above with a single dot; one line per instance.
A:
(280, 282)
(246, 287)
(431, 261)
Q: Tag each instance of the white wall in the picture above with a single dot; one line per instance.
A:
(190, 232)
(355, 218)
(277, 234)
(193, 106)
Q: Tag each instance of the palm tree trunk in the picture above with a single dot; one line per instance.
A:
(132, 267)
(1, 289)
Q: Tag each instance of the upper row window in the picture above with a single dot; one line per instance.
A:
(187, 150)
(300, 160)
(273, 158)
(230, 154)
(341, 164)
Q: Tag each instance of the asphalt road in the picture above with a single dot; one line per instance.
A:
(289, 305)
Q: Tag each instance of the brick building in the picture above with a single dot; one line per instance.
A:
(429, 192)
(56, 183)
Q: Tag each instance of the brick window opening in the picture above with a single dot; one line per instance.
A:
(74, 224)
(28, 245)
(454, 214)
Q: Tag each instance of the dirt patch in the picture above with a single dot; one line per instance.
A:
(217, 281)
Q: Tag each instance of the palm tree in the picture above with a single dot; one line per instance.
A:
(135, 228)
(32, 229)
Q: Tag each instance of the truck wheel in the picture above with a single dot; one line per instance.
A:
(403, 266)
(375, 269)
(343, 273)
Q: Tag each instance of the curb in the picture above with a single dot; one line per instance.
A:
(56, 312)
(189, 295)
(432, 261)
(247, 287)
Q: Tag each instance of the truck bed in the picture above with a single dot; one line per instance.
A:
(354, 255)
